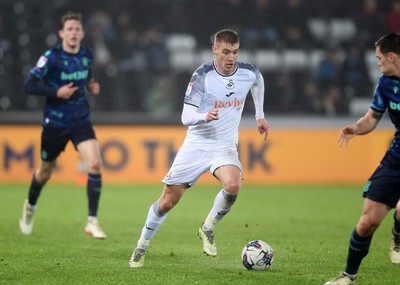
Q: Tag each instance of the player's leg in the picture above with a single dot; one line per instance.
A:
(39, 179)
(156, 216)
(189, 164)
(158, 212)
(360, 240)
(395, 243)
(53, 141)
(230, 177)
(89, 151)
(373, 215)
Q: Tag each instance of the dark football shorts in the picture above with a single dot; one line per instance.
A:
(55, 139)
(384, 184)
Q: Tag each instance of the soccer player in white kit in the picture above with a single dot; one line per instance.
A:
(212, 110)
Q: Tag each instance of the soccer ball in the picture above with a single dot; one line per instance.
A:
(257, 255)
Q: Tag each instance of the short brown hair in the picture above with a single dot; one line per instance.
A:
(389, 43)
(70, 16)
(226, 35)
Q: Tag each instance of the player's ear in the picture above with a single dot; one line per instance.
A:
(393, 56)
(214, 49)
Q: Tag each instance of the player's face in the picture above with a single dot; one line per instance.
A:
(225, 56)
(386, 62)
(72, 35)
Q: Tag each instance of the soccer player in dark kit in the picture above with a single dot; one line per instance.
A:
(62, 75)
(382, 190)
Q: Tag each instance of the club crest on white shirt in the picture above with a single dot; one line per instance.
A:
(230, 85)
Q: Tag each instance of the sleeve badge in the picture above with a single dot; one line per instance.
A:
(41, 62)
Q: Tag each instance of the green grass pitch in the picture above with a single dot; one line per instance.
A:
(308, 227)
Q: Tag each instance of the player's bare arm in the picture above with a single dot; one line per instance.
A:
(66, 91)
(263, 127)
(364, 125)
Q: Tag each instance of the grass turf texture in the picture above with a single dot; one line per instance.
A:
(308, 227)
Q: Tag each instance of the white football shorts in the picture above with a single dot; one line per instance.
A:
(190, 163)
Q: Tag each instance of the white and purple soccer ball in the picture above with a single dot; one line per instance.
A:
(257, 255)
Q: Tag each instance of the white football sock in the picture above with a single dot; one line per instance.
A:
(222, 204)
(153, 222)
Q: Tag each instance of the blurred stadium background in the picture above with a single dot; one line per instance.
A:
(317, 58)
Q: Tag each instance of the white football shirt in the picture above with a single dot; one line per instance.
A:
(210, 89)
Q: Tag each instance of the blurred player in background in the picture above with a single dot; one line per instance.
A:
(62, 74)
(382, 191)
(212, 111)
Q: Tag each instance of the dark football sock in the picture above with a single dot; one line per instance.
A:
(34, 191)
(396, 224)
(358, 249)
(93, 193)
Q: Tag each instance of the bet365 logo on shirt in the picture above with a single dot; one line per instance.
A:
(394, 105)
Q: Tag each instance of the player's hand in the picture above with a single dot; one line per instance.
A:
(212, 115)
(263, 127)
(66, 91)
(346, 134)
(93, 87)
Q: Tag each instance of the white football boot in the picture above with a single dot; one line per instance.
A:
(26, 221)
(395, 248)
(209, 246)
(93, 229)
(137, 258)
(341, 279)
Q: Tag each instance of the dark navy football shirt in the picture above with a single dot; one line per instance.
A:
(387, 96)
(57, 68)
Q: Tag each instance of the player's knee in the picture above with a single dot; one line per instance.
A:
(232, 187)
(94, 166)
(366, 227)
(43, 175)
